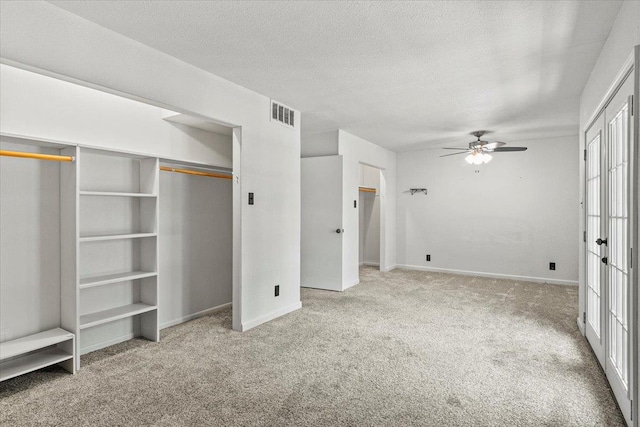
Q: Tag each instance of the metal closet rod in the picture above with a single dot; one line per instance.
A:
(198, 173)
(50, 157)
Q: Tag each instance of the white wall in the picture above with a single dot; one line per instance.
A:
(43, 107)
(41, 36)
(624, 35)
(195, 245)
(511, 219)
(355, 151)
(319, 144)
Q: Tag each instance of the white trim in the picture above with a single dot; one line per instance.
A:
(267, 317)
(390, 268)
(105, 344)
(580, 325)
(351, 285)
(612, 89)
(194, 315)
(371, 264)
(492, 275)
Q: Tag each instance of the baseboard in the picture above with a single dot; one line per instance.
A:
(390, 268)
(491, 275)
(371, 264)
(108, 343)
(360, 264)
(350, 285)
(194, 315)
(262, 319)
(580, 325)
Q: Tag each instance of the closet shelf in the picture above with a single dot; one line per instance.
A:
(106, 316)
(33, 361)
(107, 279)
(115, 194)
(33, 342)
(116, 237)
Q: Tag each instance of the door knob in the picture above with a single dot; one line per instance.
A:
(601, 241)
(605, 260)
(340, 230)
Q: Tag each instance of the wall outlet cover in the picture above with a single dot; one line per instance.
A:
(277, 290)
(552, 266)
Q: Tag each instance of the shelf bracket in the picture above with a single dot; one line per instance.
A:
(418, 190)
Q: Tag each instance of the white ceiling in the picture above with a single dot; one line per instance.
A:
(404, 75)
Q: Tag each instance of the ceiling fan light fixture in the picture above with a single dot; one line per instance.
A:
(486, 157)
(478, 159)
(469, 158)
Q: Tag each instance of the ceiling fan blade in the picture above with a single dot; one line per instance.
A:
(492, 145)
(453, 154)
(503, 149)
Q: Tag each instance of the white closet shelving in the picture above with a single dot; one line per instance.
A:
(31, 245)
(36, 351)
(117, 286)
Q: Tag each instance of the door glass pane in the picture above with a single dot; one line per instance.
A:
(593, 232)
(618, 225)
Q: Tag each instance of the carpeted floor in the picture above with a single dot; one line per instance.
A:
(402, 348)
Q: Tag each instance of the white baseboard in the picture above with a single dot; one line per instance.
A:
(194, 315)
(580, 325)
(262, 319)
(390, 268)
(105, 344)
(360, 264)
(350, 285)
(371, 264)
(491, 275)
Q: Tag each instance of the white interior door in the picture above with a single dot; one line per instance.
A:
(618, 226)
(321, 234)
(595, 313)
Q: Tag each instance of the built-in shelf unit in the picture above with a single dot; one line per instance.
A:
(117, 248)
(33, 175)
(27, 354)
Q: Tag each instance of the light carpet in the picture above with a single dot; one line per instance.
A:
(401, 348)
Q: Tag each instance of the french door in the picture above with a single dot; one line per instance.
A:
(608, 243)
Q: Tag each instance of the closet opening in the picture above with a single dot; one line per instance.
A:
(369, 216)
(195, 241)
(99, 244)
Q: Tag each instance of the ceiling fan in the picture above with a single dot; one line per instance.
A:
(479, 150)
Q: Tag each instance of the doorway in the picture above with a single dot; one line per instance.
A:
(369, 216)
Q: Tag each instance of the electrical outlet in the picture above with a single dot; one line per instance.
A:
(552, 266)
(277, 290)
(354, 204)
(428, 257)
(250, 198)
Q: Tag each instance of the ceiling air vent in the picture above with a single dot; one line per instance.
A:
(282, 114)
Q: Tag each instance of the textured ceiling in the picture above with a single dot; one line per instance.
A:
(402, 75)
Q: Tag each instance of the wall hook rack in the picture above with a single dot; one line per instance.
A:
(418, 190)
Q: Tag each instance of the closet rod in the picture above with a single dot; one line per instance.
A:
(367, 190)
(198, 173)
(23, 155)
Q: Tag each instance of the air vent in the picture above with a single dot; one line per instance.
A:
(282, 114)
